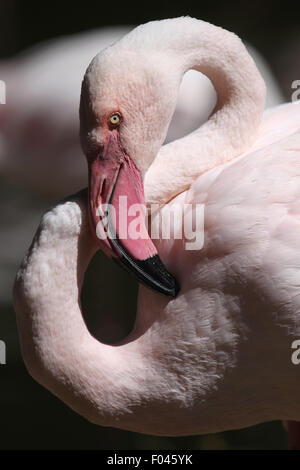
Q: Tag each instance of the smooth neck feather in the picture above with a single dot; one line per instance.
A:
(231, 129)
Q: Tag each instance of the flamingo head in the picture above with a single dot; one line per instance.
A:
(125, 110)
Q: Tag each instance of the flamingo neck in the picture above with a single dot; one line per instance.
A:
(57, 348)
(231, 129)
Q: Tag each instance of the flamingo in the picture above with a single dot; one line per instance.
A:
(211, 346)
(40, 153)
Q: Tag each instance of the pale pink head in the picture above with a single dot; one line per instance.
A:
(122, 128)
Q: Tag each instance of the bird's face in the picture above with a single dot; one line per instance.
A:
(122, 128)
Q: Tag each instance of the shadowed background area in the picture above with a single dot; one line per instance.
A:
(31, 417)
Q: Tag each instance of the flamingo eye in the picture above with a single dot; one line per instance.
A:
(115, 119)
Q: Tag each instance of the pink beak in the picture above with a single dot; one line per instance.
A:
(116, 196)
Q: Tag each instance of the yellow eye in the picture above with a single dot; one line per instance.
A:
(115, 119)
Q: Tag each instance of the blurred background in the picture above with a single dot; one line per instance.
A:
(44, 50)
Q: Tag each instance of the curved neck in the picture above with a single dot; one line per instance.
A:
(231, 129)
(56, 345)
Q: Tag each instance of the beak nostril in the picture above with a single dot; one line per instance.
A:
(94, 149)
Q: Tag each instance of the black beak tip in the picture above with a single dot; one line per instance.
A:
(152, 273)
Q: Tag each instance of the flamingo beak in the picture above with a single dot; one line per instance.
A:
(117, 216)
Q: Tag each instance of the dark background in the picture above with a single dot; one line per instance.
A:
(31, 418)
(272, 26)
